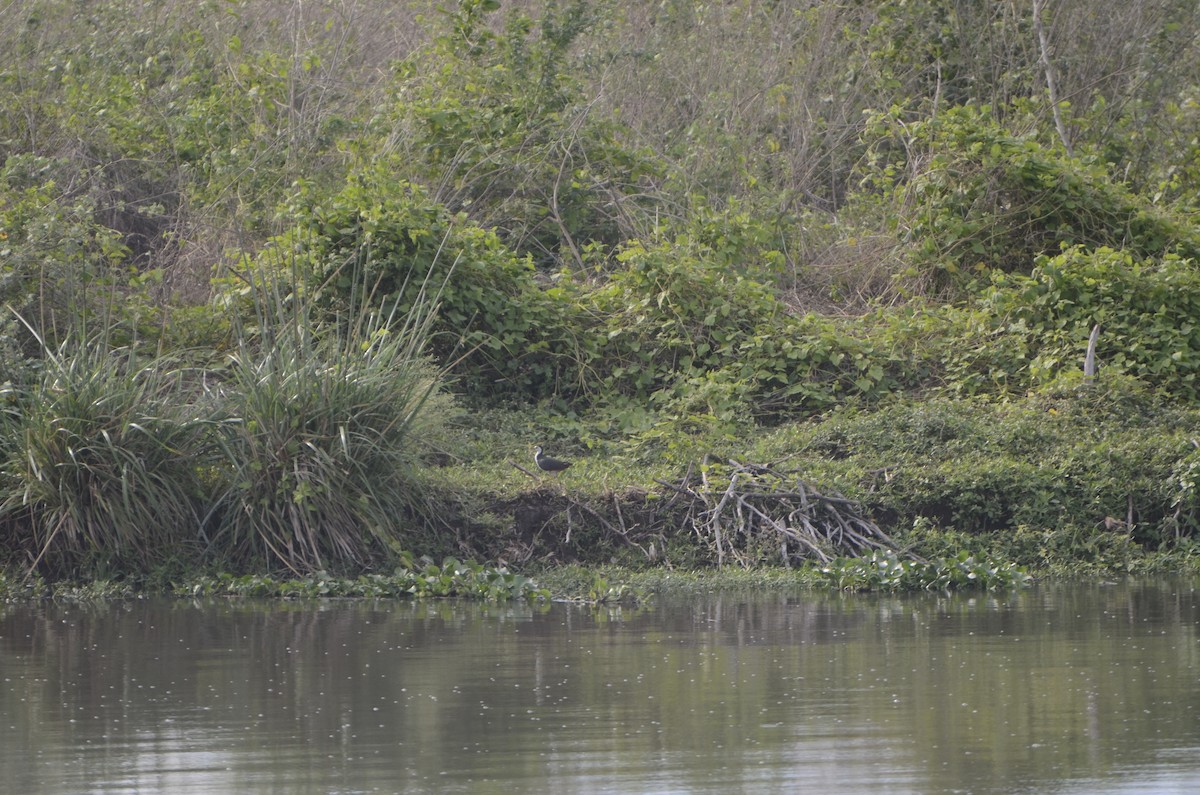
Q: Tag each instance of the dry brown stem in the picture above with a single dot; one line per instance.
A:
(740, 510)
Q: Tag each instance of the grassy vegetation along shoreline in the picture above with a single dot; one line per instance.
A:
(293, 290)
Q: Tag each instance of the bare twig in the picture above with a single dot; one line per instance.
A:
(1089, 359)
(759, 508)
(1051, 81)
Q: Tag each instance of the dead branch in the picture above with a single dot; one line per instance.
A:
(742, 510)
(743, 514)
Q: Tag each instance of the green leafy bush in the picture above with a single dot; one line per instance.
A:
(1148, 311)
(955, 349)
(1085, 458)
(380, 240)
(970, 197)
(497, 125)
(666, 318)
(56, 259)
(667, 311)
(676, 328)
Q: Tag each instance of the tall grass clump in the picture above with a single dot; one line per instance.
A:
(97, 462)
(322, 428)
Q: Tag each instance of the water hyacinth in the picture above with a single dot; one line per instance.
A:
(884, 570)
(412, 578)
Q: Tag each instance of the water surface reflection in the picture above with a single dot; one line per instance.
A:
(1061, 688)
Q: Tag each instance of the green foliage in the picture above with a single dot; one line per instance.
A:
(1184, 520)
(659, 225)
(690, 340)
(736, 236)
(380, 240)
(1076, 550)
(1080, 458)
(16, 587)
(247, 134)
(886, 571)
(1064, 550)
(672, 333)
(91, 591)
(497, 124)
(421, 579)
(971, 197)
(468, 578)
(1147, 311)
(101, 104)
(962, 350)
(666, 312)
(929, 50)
(184, 129)
(55, 258)
(321, 435)
(98, 462)
(601, 591)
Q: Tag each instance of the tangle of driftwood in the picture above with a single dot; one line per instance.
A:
(741, 510)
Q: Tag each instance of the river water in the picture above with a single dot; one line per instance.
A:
(1057, 688)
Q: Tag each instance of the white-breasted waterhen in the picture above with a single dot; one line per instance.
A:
(548, 464)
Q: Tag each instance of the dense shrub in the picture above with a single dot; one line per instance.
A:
(55, 256)
(1148, 311)
(321, 435)
(667, 311)
(651, 327)
(676, 339)
(497, 125)
(380, 240)
(184, 128)
(968, 197)
(956, 349)
(1078, 455)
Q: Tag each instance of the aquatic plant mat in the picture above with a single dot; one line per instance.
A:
(747, 513)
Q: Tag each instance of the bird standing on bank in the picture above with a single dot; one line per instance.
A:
(548, 464)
